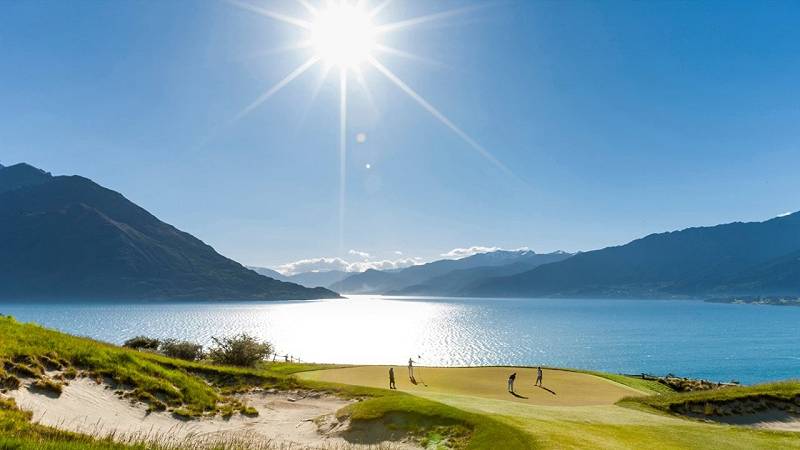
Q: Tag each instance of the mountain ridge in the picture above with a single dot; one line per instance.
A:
(67, 237)
(692, 262)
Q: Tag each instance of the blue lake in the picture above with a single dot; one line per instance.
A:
(721, 342)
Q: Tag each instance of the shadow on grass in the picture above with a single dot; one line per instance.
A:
(548, 390)
(517, 395)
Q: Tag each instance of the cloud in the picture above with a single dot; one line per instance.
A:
(458, 253)
(398, 253)
(327, 264)
(312, 265)
(364, 255)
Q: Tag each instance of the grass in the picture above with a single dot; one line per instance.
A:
(640, 384)
(436, 418)
(788, 391)
(190, 389)
(613, 426)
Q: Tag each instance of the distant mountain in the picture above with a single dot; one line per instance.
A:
(761, 258)
(323, 278)
(274, 274)
(457, 282)
(415, 279)
(66, 237)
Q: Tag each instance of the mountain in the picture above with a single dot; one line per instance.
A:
(274, 274)
(66, 237)
(323, 278)
(21, 175)
(378, 282)
(456, 282)
(737, 258)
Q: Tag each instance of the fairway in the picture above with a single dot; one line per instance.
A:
(560, 387)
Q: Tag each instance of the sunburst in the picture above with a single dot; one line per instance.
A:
(347, 36)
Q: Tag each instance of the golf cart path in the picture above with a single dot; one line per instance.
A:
(560, 387)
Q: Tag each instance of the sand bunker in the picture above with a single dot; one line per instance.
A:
(285, 420)
(770, 419)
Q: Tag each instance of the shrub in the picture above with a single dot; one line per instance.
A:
(239, 350)
(142, 342)
(182, 349)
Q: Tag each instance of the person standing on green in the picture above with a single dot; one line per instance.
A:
(391, 378)
(538, 376)
(511, 382)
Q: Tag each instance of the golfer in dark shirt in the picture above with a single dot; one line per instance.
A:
(391, 378)
(511, 382)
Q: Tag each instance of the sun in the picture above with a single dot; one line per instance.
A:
(343, 35)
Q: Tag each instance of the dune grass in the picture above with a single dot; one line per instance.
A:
(786, 390)
(191, 389)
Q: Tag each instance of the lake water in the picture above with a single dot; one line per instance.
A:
(722, 342)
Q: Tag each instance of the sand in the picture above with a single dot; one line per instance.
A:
(560, 387)
(285, 420)
(773, 419)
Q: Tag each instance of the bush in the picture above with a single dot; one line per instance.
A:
(142, 342)
(239, 350)
(182, 349)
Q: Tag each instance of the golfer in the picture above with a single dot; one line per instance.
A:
(391, 378)
(538, 376)
(411, 369)
(511, 382)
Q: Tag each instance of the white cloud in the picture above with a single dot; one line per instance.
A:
(312, 265)
(398, 253)
(364, 255)
(787, 213)
(327, 264)
(458, 253)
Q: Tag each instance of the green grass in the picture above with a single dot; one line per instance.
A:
(190, 389)
(786, 390)
(418, 414)
(640, 384)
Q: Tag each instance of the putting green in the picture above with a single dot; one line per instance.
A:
(560, 387)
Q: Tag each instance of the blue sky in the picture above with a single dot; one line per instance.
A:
(618, 119)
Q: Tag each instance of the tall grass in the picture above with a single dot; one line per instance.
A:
(197, 388)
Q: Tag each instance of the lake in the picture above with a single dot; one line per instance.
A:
(690, 338)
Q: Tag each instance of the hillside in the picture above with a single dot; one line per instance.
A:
(456, 282)
(737, 258)
(66, 237)
(322, 278)
(418, 277)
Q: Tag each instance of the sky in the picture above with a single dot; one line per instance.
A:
(614, 120)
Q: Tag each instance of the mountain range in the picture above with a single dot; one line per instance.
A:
(66, 237)
(755, 258)
(735, 259)
(309, 279)
(446, 276)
